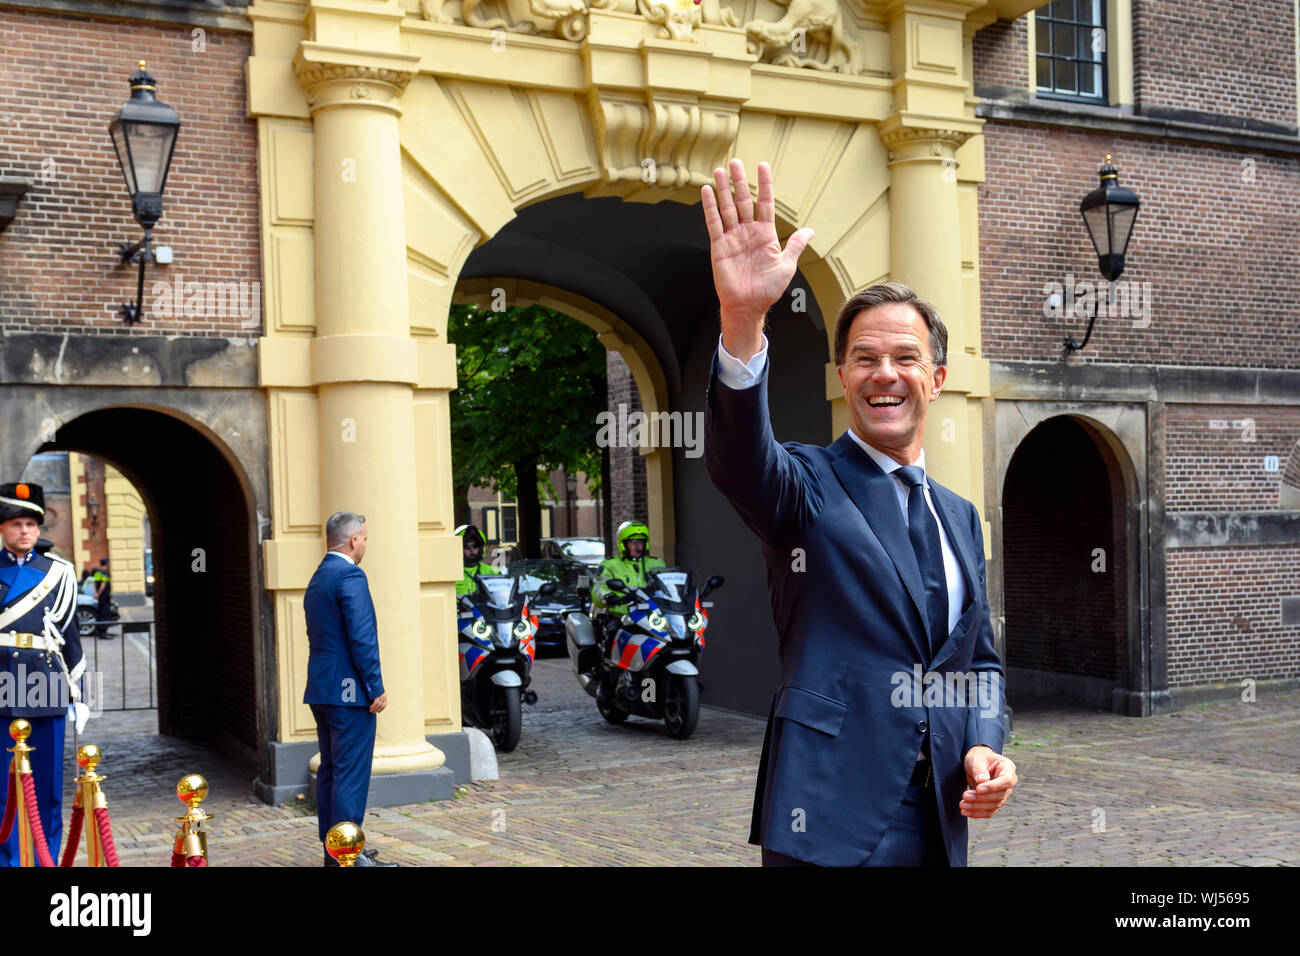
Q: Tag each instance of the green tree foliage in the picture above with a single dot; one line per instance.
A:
(530, 383)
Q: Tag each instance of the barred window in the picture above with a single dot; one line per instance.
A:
(1070, 50)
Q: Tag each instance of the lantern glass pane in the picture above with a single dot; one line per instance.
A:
(1121, 226)
(1096, 221)
(151, 147)
(123, 157)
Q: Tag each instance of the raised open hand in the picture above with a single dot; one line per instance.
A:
(750, 269)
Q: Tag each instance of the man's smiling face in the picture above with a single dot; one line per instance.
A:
(890, 379)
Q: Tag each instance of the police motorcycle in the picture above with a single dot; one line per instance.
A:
(497, 646)
(647, 663)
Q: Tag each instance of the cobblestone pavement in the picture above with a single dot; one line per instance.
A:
(1215, 785)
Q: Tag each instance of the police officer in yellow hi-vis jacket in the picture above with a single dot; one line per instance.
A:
(472, 548)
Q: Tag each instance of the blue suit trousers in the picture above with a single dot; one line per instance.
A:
(47, 767)
(346, 736)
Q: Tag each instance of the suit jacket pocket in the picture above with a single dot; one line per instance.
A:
(811, 709)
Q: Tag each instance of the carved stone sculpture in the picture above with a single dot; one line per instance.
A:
(805, 21)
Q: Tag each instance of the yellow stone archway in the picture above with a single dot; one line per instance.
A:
(396, 136)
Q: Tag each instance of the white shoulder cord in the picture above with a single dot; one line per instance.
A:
(52, 619)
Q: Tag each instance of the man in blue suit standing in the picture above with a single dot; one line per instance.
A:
(875, 572)
(344, 686)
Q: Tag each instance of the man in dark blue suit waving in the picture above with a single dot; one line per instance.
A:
(866, 760)
(344, 686)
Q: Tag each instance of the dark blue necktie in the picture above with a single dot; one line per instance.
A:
(924, 532)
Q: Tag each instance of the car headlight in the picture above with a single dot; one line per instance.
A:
(521, 630)
(696, 623)
(480, 629)
(657, 621)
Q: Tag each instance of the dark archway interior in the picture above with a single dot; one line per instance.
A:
(203, 596)
(1065, 561)
(649, 263)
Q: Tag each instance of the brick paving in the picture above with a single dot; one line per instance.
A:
(1215, 785)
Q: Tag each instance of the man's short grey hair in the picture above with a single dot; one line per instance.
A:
(341, 526)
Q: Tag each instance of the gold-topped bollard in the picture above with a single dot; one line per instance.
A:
(192, 841)
(89, 798)
(20, 730)
(344, 842)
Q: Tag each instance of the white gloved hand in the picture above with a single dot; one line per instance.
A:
(78, 713)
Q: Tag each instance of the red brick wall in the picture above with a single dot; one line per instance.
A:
(66, 77)
(1216, 240)
(1235, 57)
(1224, 604)
(1225, 614)
(1001, 52)
(628, 500)
(1209, 467)
(94, 540)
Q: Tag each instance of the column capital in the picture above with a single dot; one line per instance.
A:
(935, 139)
(337, 76)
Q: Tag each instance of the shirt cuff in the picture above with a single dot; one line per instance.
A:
(734, 373)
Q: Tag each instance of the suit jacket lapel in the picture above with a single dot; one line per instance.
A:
(872, 491)
(964, 546)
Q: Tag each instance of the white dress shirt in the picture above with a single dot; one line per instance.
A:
(340, 554)
(735, 374)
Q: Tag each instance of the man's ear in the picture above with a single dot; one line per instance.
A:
(940, 374)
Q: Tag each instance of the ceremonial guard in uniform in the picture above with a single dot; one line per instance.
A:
(42, 652)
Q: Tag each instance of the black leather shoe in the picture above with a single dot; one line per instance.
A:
(369, 858)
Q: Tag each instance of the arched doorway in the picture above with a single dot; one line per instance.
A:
(1069, 545)
(640, 274)
(204, 541)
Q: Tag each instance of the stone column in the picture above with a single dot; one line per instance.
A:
(932, 118)
(364, 367)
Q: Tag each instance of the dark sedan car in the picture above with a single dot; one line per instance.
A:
(572, 594)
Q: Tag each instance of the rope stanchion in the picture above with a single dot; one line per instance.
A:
(344, 842)
(11, 805)
(74, 832)
(105, 832)
(191, 846)
(33, 849)
(34, 822)
(100, 850)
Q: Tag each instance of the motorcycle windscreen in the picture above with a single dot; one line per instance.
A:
(672, 589)
(498, 596)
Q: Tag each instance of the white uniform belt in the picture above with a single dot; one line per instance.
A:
(19, 639)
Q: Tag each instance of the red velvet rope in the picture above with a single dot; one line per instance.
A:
(106, 836)
(196, 861)
(74, 836)
(11, 804)
(178, 859)
(34, 819)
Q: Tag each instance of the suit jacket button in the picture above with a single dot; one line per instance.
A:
(922, 726)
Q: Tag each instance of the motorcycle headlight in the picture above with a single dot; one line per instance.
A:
(522, 629)
(657, 621)
(696, 623)
(480, 629)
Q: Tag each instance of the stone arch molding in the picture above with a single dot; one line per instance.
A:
(232, 421)
(1123, 428)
